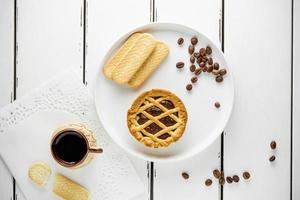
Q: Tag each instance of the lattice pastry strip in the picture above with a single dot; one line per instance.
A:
(164, 127)
(164, 109)
(154, 119)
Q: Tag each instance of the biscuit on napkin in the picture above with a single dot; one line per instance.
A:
(39, 173)
(68, 189)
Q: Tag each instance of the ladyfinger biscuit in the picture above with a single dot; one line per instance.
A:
(68, 189)
(134, 59)
(39, 173)
(158, 55)
(119, 55)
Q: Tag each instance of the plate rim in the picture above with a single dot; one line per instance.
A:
(141, 155)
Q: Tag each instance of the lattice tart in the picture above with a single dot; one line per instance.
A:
(157, 118)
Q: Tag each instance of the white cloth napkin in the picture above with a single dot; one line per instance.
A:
(26, 127)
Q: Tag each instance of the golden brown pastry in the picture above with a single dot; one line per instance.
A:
(158, 55)
(39, 173)
(136, 60)
(157, 118)
(68, 189)
(133, 58)
(115, 60)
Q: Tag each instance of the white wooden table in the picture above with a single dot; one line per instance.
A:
(261, 41)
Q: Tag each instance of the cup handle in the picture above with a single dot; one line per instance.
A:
(95, 150)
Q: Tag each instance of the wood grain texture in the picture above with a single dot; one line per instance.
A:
(6, 81)
(6, 182)
(258, 50)
(168, 183)
(105, 23)
(49, 40)
(19, 194)
(296, 101)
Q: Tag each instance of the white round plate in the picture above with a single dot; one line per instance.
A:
(205, 122)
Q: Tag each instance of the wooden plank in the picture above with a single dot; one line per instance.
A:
(168, 183)
(258, 50)
(19, 194)
(49, 40)
(105, 23)
(296, 101)
(6, 80)
(49, 35)
(6, 182)
(101, 33)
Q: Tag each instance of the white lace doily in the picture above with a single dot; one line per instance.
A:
(66, 92)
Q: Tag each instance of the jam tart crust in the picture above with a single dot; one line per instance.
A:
(166, 119)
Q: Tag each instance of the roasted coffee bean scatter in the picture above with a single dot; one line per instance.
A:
(273, 145)
(216, 173)
(189, 87)
(192, 68)
(202, 61)
(208, 182)
(194, 79)
(192, 59)
(229, 179)
(185, 175)
(246, 175)
(272, 158)
(180, 41)
(194, 40)
(217, 105)
(236, 178)
(180, 65)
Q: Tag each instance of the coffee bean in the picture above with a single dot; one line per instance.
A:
(180, 41)
(273, 145)
(229, 179)
(185, 175)
(216, 66)
(223, 72)
(194, 79)
(198, 71)
(219, 79)
(217, 105)
(208, 182)
(205, 68)
(215, 72)
(204, 59)
(222, 180)
(246, 175)
(236, 178)
(191, 49)
(208, 50)
(198, 60)
(194, 40)
(210, 61)
(192, 68)
(196, 55)
(216, 173)
(272, 158)
(202, 64)
(210, 69)
(192, 59)
(180, 65)
(202, 52)
(189, 87)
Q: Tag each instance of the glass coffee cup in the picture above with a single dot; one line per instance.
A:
(73, 146)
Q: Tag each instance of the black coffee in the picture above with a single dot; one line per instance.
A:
(69, 147)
